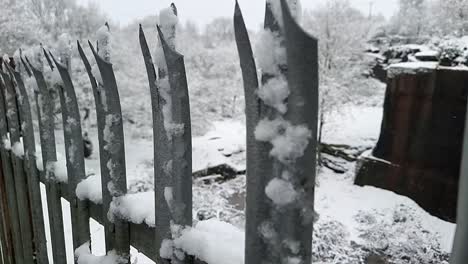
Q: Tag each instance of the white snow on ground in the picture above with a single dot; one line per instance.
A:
(352, 125)
(225, 139)
(365, 215)
(214, 242)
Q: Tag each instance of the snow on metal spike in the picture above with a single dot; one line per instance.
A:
(169, 53)
(161, 152)
(174, 8)
(45, 107)
(26, 67)
(116, 150)
(74, 155)
(8, 176)
(257, 206)
(271, 21)
(20, 185)
(103, 154)
(49, 61)
(33, 177)
(180, 144)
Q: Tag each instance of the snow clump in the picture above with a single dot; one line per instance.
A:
(289, 141)
(281, 192)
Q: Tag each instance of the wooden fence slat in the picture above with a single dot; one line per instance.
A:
(74, 154)
(9, 180)
(113, 140)
(162, 216)
(29, 145)
(45, 108)
(18, 168)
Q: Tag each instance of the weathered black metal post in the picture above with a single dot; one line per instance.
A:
(172, 137)
(15, 247)
(115, 186)
(280, 182)
(29, 145)
(74, 149)
(45, 106)
(18, 165)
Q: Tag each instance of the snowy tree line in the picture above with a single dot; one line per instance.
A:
(422, 18)
(210, 52)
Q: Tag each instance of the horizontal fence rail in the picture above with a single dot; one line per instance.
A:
(281, 123)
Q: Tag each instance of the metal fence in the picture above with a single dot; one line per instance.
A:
(271, 223)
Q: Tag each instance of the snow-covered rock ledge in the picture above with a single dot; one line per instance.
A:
(413, 68)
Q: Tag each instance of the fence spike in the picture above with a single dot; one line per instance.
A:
(45, 107)
(181, 137)
(161, 153)
(74, 154)
(21, 184)
(256, 205)
(9, 179)
(264, 215)
(116, 184)
(26, 67)
(49, 61)
(29, 145)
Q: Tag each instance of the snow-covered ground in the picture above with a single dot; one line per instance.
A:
(353, 220)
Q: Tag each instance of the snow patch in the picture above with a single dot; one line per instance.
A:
(274, 93)
(281, 192)
(269, 52)
(18, 149)
(90, 189)
(213, 242)
(6, 142)
(289, 141)
(104, 43)
(167, 249)
(136, 208)
(84, 256)
(411, 68)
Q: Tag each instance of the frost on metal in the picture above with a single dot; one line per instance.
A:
(282, 120)
(289, 142)
(104, 42)
(168, 21)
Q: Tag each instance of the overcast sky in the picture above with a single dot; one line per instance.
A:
(203, 11)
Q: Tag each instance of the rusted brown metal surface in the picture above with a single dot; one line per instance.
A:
(419, 150)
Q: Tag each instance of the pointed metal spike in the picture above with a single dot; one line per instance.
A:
(169, 53)
(92, 48)
(84, 59)
(270, 20)
(26, 67)
(48, 59)
(174, 9)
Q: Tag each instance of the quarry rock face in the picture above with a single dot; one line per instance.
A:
(419, 150)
